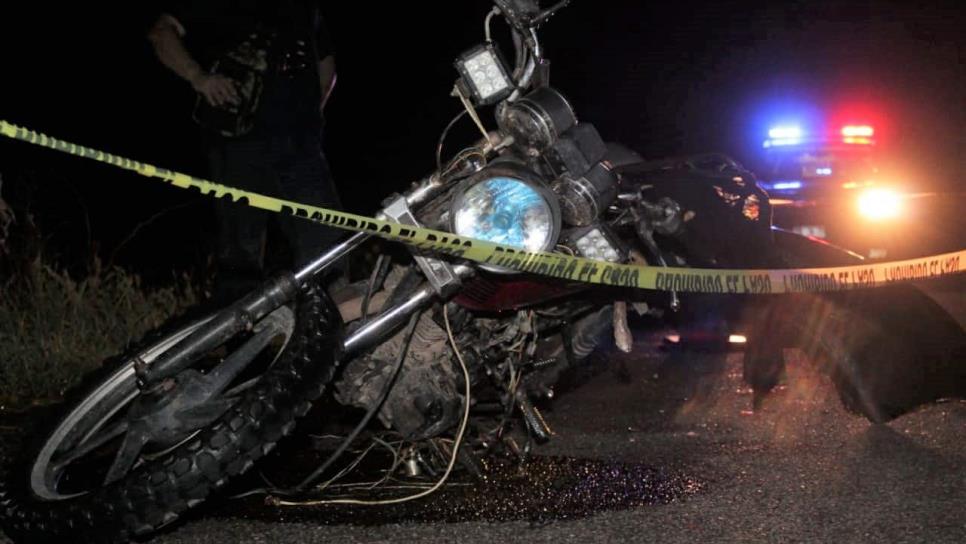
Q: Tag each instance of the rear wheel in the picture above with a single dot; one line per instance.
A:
(113, 462)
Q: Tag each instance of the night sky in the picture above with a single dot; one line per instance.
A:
(663, 78)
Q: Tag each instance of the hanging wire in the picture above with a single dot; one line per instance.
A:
(411, 328)
(449, 468)
(472, 111)
(442, 139)
(486, 23)
(375, 281)
(310, 479)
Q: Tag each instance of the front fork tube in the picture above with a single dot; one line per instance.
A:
(239, 316)
(243, 314)
(281, 290)
(376, 329)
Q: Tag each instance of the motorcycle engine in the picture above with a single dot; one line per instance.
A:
(424, 400)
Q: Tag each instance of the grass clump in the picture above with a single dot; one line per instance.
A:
(54, 328)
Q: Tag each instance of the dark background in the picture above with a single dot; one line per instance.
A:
(662, 77)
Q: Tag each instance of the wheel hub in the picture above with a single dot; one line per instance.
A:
(175, 407)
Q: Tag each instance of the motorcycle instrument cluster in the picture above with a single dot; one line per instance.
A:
(584, 197)
(537, 120)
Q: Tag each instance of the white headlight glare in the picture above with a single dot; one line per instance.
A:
(506, 211)
(880, 204)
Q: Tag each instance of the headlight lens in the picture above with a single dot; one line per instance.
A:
(880, 204)
(507, 211)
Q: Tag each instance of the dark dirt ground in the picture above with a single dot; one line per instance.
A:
(671, 454)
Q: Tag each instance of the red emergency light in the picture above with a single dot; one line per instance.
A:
(858, 134)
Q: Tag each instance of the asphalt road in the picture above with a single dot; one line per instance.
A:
(800, 470)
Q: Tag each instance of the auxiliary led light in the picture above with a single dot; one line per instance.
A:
(484, 74)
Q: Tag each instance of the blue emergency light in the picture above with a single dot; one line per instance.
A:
(784, 135)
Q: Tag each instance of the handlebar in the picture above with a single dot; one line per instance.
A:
(549, 12)
(524, 16)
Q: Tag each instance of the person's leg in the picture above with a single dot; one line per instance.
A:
(304, 177)
(241, 229)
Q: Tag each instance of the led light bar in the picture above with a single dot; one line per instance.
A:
(484, 74)
(594, 245)
(596, 242)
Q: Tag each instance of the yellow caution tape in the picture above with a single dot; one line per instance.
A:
(693, 280)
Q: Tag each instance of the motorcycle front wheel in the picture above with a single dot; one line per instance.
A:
(108, 464)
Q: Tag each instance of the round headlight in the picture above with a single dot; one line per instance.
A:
(507, 206)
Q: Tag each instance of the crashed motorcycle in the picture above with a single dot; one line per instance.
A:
(433, 346)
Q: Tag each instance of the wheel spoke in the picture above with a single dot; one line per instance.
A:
(127, 455)
(123, 427)
(90, 445)
(239, 389)
(222, 375)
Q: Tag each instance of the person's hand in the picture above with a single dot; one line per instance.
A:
(217, 89)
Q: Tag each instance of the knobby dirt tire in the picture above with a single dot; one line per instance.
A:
(158, 492)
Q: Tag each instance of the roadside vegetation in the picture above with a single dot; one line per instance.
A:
(56, 324)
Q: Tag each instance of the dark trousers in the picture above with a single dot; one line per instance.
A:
(291, 167)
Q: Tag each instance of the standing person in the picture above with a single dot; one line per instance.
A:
(263, 71)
